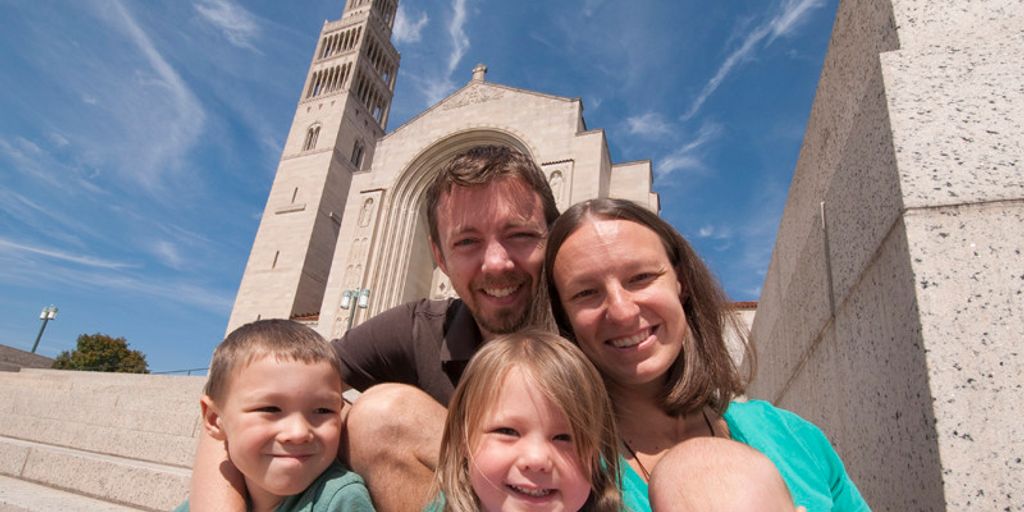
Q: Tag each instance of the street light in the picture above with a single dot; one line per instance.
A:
(362, 297)
(48, 313)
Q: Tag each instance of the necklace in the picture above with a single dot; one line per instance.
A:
(643, 469)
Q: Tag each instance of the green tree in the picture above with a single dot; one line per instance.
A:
(102, 353)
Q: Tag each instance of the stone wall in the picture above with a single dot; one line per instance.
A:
(11, 359)
(892, 311)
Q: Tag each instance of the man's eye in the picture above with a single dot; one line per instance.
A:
(269, 409)
(464, 242)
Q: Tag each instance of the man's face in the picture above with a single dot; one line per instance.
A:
(492, 248)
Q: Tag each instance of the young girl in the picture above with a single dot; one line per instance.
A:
(530, 426)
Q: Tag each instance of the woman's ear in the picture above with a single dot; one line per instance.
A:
(211, 418)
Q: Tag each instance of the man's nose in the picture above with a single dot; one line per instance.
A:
(496, 258)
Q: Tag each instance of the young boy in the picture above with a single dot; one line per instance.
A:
(274, 398)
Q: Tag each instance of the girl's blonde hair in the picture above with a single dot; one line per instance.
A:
(567, 379)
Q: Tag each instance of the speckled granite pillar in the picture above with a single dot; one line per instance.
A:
(893, 310)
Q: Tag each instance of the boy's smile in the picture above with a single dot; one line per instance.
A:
(281, 422)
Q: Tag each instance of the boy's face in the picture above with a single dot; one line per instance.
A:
(281, 422)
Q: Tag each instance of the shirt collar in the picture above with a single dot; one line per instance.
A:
(462, 336)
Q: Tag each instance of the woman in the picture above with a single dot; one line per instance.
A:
(631, 292)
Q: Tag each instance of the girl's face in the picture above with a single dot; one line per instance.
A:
(523, 455)
(621, 295)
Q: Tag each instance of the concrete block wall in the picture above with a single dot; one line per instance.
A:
(892, 312)
(120, 438)
(11, 359)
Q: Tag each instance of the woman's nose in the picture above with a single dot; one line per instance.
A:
(620, 307)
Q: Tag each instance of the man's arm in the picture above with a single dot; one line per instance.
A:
(378, 350)
(216, 483)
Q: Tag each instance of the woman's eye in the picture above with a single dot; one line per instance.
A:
(644, 277)
(582, 294)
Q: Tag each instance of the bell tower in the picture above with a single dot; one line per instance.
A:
(342, 112)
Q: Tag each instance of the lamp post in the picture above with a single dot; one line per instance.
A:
(48, 313)
(362, 298)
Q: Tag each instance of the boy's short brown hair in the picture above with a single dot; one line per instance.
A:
(285, 340)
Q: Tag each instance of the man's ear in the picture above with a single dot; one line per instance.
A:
(438, 256)
(211, 418)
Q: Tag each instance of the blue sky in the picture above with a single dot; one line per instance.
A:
(138, 139)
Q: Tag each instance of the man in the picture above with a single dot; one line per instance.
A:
(488, 211)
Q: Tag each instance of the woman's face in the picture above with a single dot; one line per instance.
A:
(621, 295)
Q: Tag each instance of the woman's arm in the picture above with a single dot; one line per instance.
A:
(216, 483)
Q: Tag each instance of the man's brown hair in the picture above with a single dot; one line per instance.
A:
(480, 165)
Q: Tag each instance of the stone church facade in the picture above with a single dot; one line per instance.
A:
(346, 211)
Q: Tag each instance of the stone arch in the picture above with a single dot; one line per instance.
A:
(403, 266)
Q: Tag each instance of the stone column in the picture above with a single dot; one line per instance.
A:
(892, 314)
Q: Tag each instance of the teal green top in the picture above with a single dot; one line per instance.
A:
(337, 489)
(813, 472)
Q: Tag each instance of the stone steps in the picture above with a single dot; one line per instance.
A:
(126, 440)
(21, 496)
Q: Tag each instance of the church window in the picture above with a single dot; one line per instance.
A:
(357, 154)
(312, 134)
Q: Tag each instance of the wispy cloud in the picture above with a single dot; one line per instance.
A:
(589, 6)
(786, 19)
(437, 88)
(714, 233)
(239, 26)
(457, 33)
(139, 103)
(407, 29)
(650, 124)
(688, 156)
(168, 253)
(27, 158)
(47, 218)
(89, 261)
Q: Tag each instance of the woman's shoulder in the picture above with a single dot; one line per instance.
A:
(760, 413)
(756, 422)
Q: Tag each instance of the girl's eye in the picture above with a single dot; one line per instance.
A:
(324, 410)
(506, 431)
(563, 437)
